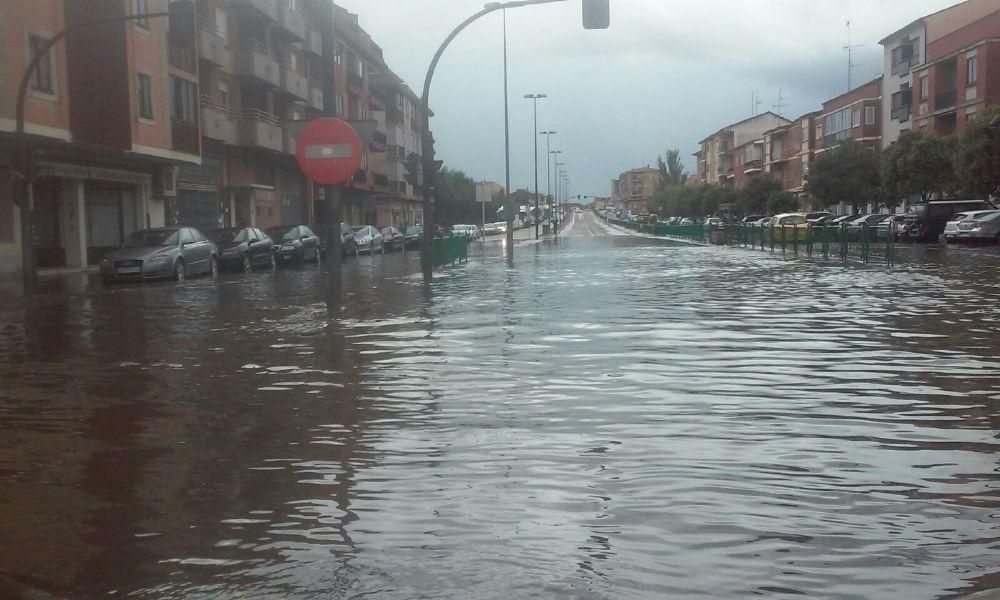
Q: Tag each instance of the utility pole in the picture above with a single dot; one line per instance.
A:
(508, 205)
(548, 168)
(534, 101)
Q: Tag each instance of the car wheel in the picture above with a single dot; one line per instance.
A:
(247, 264)
(213, 268)
(180, 272)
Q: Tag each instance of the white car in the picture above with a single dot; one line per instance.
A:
(368, 238)
(469, 231)
(951, 227)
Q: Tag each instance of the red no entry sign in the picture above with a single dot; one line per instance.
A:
(328, 151)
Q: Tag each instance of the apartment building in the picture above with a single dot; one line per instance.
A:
(906, 50)
(633, 189)
(960, 78)
(717, 157)
(789, 150)
(401, 204)
(106, 133)
(853, 115)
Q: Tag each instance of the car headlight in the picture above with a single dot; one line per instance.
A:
(159, 258)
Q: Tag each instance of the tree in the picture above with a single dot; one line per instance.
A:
(782, 202)
(753, 198)
(714, 196)
(918, 163)
(977, 155)
(455, 199)
(671, 168)
(848, 173)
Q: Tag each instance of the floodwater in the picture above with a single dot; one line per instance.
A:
(612, 417)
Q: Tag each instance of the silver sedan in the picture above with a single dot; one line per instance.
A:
(982, 227)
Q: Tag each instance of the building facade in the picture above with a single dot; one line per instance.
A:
(853, 115)
(960, 78)
(718, 159)
(194, 122)
(634, 189)
(789, 150)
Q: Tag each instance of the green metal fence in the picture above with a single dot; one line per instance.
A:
(450, 250)
(866, 244)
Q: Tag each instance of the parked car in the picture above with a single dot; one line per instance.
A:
(926, 222)
(413, 235)
(816, 216)
(713, 222)
(686, 221)
(797, 220)
(348, 246)
(762, 222)
(870, 220)
(294, 244)
(842, 220)
(164, 253)
(950, 232)
(751, 219)
(467, 231)
(392, 238)
(984, 227)
(894, 225)
(368, 239)
(497, 228)
(243, 249)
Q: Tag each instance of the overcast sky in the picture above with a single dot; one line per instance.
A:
(667, 74)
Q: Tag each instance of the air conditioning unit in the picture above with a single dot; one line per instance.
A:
(165, 181)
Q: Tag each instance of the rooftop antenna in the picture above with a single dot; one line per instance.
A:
(781, 102)
(850, 62)
(755, 101)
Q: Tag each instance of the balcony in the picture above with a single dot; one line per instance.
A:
(356, 80)
(315, 94)
(212, 46)
(294, 84)
(184, 137)
(393, 114)
(314, 41)
(752, 166)
(182, 57)
(219, 122)
(378, 143)
(944, 100)
(262, 9)
(256, 61)
(902, 113)
(291, 23)
(380, 180)
(288, 141)
(260, 129)
(903, 67)
(360, 176)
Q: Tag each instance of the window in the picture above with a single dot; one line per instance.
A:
(41, 81)
(869, 115)
(971, 67)
(340, 104)
(185, 99)
(970, 116)
(923, 88)
(186, 236)
(224, 93)
(221, 23)
(139, 8)
(144, 93)
(805, 131)
(338, 56)
(856, 117)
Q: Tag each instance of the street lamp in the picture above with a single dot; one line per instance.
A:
(534, 101)
(554, 180)
(548, 167)
(559, 175)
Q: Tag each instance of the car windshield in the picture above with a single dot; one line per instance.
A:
(414, 230)
(960, 216)
(990, 216)
(151, 238)
(227, 236)
(361, 230)
(283, 234)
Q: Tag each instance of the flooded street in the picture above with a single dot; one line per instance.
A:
(611, 418)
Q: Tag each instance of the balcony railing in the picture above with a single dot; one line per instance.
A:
(294, 83)
(218, 121)
(314, 41)
(256, 60)
(753, 165)
(315, 94)
(260, 128)
(212, 46)
(944, 100)
(356, 80)
(902, 113)
(184, 136)
(264, 8)
(291, 22)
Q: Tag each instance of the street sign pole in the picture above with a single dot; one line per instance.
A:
(334, 251)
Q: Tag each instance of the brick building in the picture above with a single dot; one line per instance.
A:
(789, 150)
(853, 115)
(960, 78)
(633, 189)
(718, 159)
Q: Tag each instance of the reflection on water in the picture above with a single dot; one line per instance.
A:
(609, 419)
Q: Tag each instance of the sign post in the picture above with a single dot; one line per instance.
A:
(329, 152)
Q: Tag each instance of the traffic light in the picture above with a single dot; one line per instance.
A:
(596, 14)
